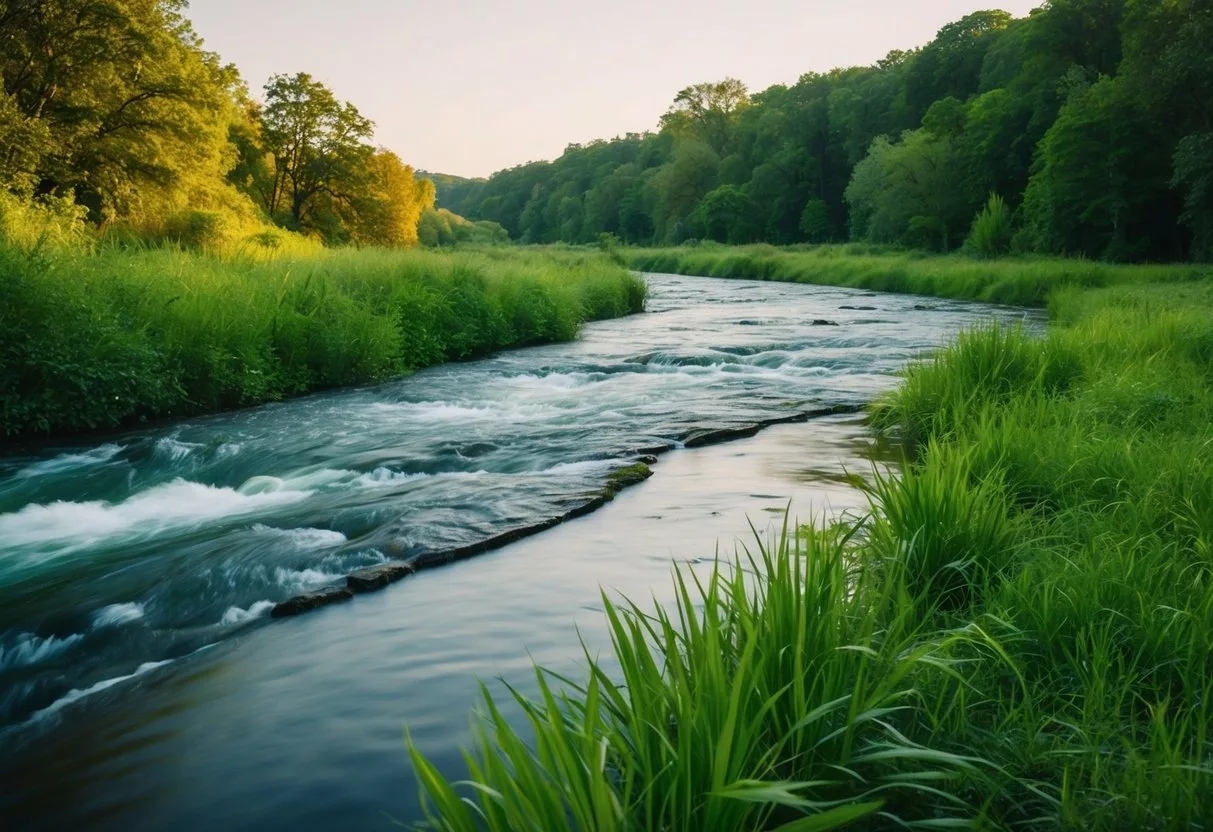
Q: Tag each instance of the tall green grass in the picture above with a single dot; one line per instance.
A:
(1017, 281)
(103, 338)
(1019, 636)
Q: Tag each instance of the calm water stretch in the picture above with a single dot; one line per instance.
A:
(142, 682)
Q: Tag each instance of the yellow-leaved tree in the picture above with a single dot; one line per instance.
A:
(393, 204)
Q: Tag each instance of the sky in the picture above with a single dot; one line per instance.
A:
(469, 88)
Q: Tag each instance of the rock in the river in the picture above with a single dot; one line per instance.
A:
(377, 577)
(311, 600)
(621, 478)
(823, 322)
(857, 308)
(711, 436)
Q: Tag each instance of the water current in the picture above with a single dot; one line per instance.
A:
(142, 681)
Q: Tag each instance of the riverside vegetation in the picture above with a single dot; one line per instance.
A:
(104, 338)
(1020, 281)
(1019, 635)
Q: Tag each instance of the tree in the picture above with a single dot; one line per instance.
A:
(707, 112)
(906, 193)
(950, 65)
(1097, 177)
(678, 186)
(724, 215)
(116, 102)
(321, 153)
(388, 212)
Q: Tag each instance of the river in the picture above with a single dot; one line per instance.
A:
(143, 683)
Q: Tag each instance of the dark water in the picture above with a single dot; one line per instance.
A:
(142, 684)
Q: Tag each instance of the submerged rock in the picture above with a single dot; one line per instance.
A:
(859, 308)
(823, 322)
(311, 600)
(377, 577)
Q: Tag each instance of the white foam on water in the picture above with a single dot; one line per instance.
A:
(66, 462)
(117, 614)
(305, 538)
(261, 485)
(227, 449)
(572, 469)
(78, 693)
(236, 615)
(381, 477)
(301, 578)
(66, 526)
(28, 649)
(174, 448)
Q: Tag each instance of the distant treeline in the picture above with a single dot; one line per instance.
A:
(113, 114)
(1085, 128)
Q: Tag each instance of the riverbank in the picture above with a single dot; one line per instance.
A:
(144, 678)
(1016, 281)
(122, 336)
(1019, 636)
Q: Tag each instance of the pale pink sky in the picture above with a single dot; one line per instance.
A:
(469, 88)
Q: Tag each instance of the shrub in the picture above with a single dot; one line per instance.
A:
(992, 232)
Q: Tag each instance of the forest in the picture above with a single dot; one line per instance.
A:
(114, 116)
(1085, 129)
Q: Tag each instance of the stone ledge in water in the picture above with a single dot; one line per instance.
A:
(713, 436)
(617, 480)
(653, 450)
(860, 308)
(311, 601)
(377, 577)
(823, 322)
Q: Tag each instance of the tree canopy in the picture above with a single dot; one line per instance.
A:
(117, 106)
(1091, 120)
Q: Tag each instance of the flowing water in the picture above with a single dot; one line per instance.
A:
(142, 683)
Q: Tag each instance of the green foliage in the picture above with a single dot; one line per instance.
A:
(902, 193)
(442, 228)
(815, 221)
(1018, 637)
(42, 222)
(97, 340)
(116, 105)
(760, 699)
(1088, 117)
(708, 112)
(992, 232)
(114, 102)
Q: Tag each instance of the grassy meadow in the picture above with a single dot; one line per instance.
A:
(108, 335)
(1018, 636)
(1019, 281)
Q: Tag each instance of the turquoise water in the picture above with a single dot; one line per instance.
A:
(142, 683)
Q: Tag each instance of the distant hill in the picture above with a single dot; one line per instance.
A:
(451, 190)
